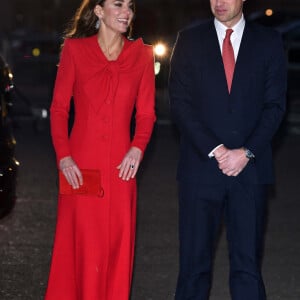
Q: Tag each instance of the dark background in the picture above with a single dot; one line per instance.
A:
(153, 16)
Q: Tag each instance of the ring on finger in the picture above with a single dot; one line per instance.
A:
(131, 166)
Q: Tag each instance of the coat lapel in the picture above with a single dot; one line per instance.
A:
(214, 58)
(243, 62)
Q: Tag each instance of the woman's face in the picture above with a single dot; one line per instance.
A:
(115, 15)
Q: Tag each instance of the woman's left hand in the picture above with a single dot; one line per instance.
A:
(130, 163)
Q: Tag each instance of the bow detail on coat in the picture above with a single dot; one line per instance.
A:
(103, 85)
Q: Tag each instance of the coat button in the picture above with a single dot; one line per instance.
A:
(106, 119)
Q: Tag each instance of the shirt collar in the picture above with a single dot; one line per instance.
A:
(238, 28)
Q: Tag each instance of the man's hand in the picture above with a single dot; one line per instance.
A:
(231, 162)
(221, 153)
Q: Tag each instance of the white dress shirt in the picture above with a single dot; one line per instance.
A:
(235, 38)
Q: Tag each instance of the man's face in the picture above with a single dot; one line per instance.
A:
(227, 12)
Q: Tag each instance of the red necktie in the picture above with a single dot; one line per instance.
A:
(228, 58)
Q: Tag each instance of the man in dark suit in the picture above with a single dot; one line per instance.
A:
(227, 90)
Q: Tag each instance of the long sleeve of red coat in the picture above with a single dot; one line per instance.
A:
(59, 111)
(145, 114)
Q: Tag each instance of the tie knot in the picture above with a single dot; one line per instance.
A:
(228, 33)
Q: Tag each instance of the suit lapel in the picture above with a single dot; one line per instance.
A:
(243, 62)
(214, 58)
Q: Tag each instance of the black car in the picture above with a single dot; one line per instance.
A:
(8, 163)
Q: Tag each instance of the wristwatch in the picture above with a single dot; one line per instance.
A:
(249, 154)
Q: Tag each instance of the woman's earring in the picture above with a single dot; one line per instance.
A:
(97, 25)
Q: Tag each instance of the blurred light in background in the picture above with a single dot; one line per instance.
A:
(157, 67)
(269, 12)
(36, 52)
(44, 113)
(160, 49)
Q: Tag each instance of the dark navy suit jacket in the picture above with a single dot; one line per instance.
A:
(207, 115)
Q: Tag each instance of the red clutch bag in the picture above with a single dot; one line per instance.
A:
(91, 184)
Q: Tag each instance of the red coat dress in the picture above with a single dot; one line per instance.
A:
(94, 242)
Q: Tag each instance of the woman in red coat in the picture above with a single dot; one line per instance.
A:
(108, 76)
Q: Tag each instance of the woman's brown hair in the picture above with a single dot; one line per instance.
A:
(83, 24)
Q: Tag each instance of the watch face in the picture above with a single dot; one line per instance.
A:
(249, 154)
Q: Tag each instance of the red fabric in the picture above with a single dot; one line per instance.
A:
(228, 58)
(94, 241)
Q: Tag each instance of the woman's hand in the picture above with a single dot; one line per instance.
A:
(130, 163)
(71, 172)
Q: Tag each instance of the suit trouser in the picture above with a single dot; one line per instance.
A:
(201, 208)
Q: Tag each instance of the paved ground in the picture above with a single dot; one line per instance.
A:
(26, 235)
